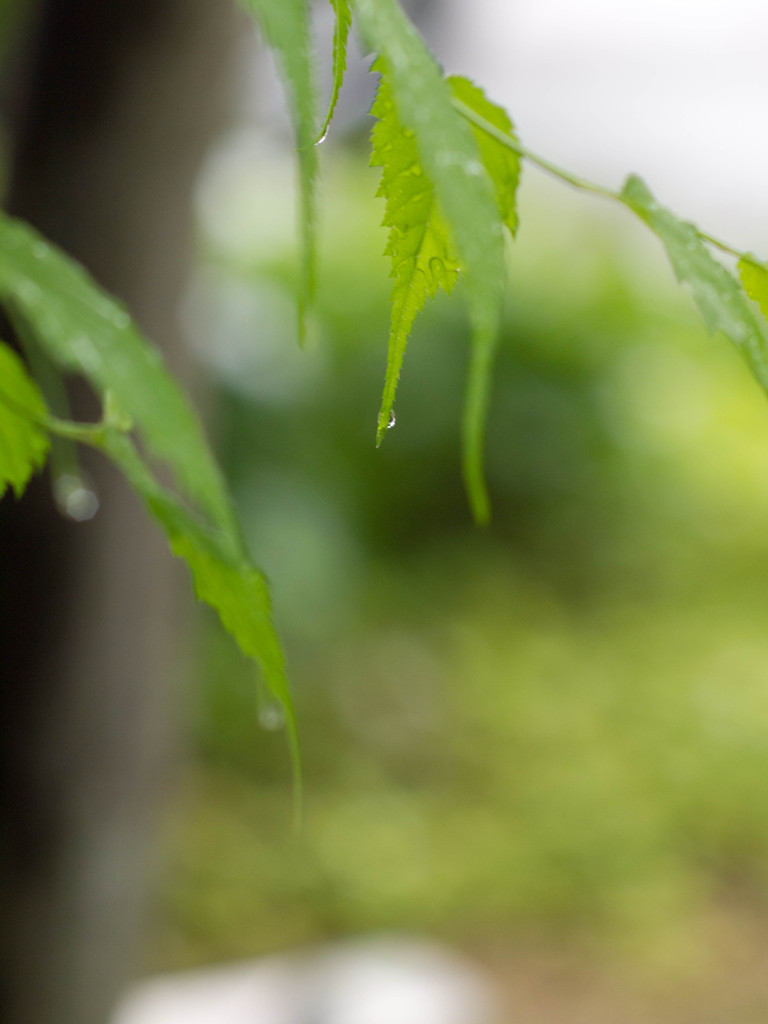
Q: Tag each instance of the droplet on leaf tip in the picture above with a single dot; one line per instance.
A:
(74, 498)
(322, 138)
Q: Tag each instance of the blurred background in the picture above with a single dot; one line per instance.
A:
(543, 745)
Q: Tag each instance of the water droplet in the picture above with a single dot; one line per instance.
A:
(120, 319)
(74, 498)
(272, 718)
(82, 505)
(40, 249)
(392, 420)
(322, 138)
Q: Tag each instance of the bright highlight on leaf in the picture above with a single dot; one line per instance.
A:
(717, 293)
(24, 442)
(340, 36)
(286, 28)
(754, 277)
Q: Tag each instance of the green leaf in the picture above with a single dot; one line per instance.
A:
(502, 163)
(754, 277)
(448, 155)
(340, 36)
(423, 255)
(717, 293)
(225, 580)
(286, 28)
(82, 329)
(24, 442)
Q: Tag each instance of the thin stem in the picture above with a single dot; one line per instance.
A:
(92, 434)
(63, 456)
(507, 140)
(574, 180)
(746, 256)
(83, 433)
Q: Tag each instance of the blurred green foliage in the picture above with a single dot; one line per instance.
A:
(555, 727)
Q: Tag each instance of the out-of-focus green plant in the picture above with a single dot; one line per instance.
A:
(450, 166)
(553, 727)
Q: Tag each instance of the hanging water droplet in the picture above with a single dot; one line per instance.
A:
(322, 138)
(40, 249)
(74, 498)
(392, 420)
(82, 505)
(271, 717)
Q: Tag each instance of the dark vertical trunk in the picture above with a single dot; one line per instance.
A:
(118, 103)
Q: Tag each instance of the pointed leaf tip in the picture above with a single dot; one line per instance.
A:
(343, 23)
(424, 258)
(287, 30)
(222, 575)
(452, 191)
(475, 417)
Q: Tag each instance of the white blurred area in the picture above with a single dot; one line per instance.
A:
(374, 981)
(674, 90)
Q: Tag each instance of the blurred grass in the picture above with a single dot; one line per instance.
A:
(555, 728)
